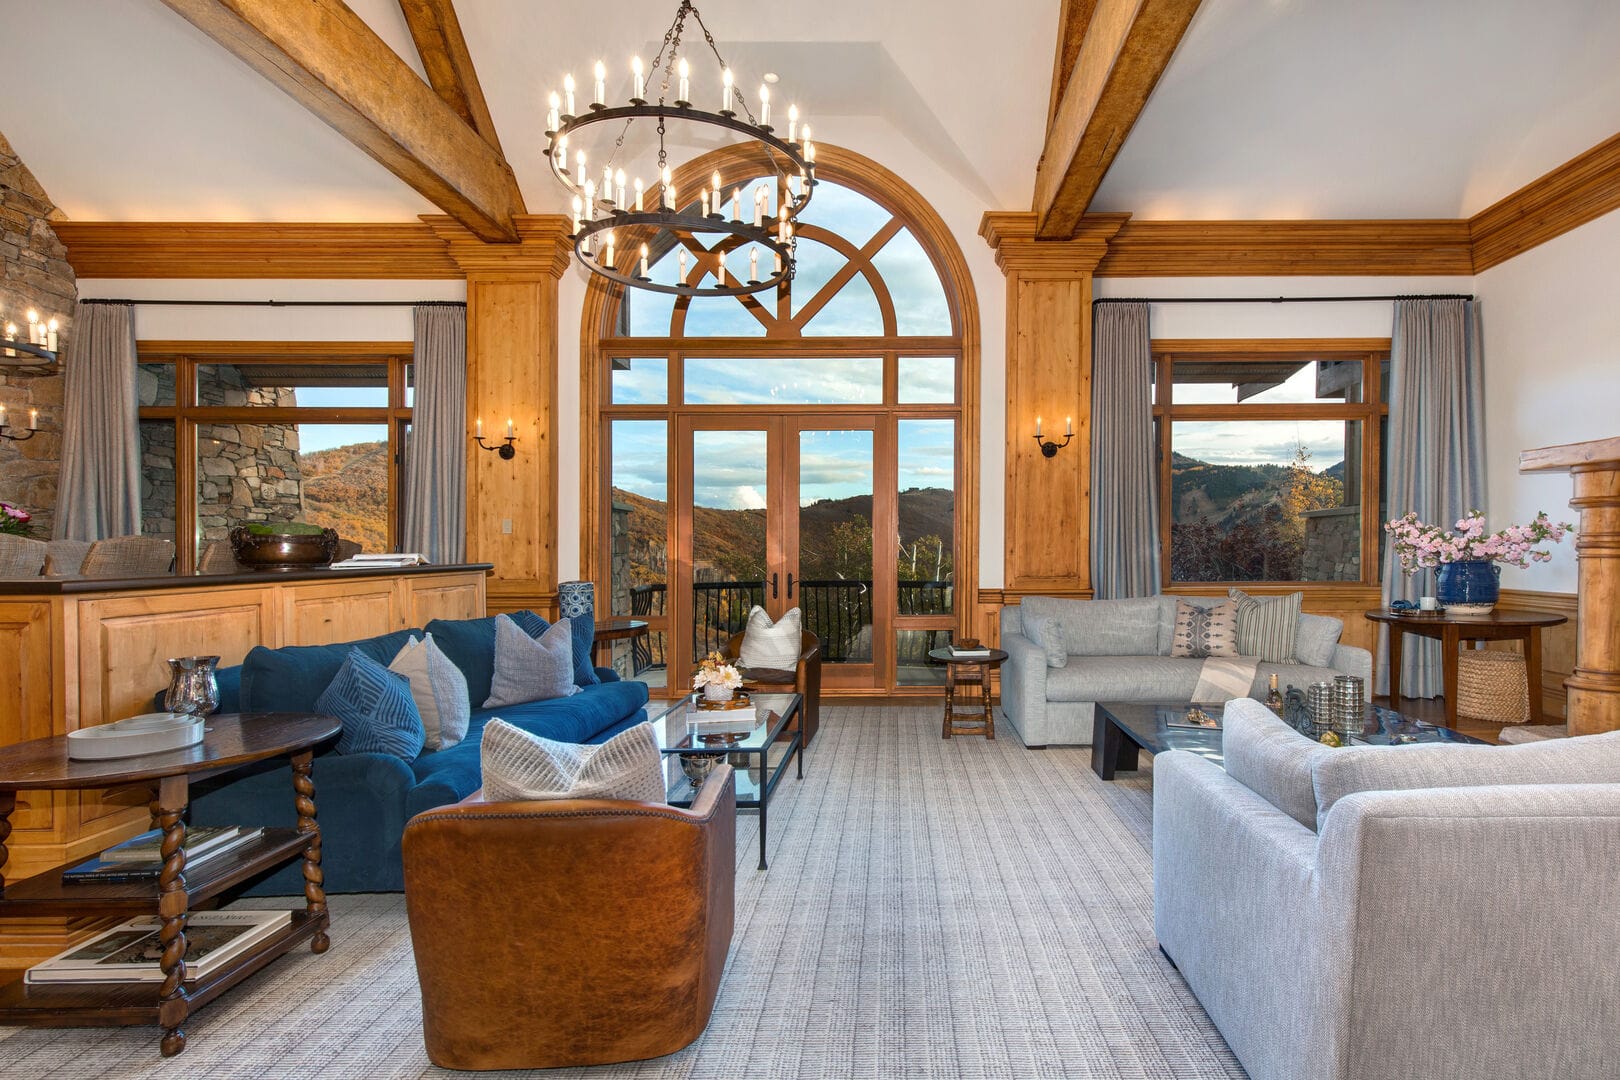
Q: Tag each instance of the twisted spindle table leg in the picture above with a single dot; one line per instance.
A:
(173, 1003)
(314, 887)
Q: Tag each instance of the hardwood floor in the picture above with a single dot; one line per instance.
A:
(1433, 711)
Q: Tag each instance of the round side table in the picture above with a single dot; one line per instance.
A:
(976, 717)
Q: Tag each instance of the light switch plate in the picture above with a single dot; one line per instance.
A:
(506, 525)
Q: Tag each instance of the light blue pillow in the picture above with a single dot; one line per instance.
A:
(582, 628)
(375, 705)
(531, 669)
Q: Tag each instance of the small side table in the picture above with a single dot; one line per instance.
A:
(966, 672)
(230, 740)
(618, 628)
(1451, 631)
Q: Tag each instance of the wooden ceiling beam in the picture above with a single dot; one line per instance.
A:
(327, 58)
(1123, 51)
(1072, 23)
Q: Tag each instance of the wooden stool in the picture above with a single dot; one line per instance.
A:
(967, 672)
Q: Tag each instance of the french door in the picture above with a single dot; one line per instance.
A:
(784, 510)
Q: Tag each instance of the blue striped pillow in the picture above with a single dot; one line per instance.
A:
(378, 713)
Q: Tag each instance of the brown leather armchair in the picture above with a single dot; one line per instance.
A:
(573, 932)
(805, 680)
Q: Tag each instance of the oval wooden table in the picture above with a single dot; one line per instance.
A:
(230, 740)
(1452, 630)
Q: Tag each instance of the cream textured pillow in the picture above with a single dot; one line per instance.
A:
(1046, 633)
(531, 669)
(1266, 625)
(1201, 631)
(439, 689)
(773, 646)
(518, 765)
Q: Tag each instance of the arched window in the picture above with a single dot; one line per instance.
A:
(812, 447)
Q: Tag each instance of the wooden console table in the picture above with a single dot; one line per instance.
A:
(1452, 630)
(231, 740)
(1594, 688)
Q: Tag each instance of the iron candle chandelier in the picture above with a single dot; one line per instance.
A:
(618, 230)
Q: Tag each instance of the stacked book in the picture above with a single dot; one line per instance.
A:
(141, 858)
(381, 561)
(131, 952)
(964, 652)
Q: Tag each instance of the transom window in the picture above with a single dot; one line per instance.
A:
(1270, 459)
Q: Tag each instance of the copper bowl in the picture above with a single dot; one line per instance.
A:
(284, 551)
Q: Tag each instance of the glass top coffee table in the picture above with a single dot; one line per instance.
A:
(1126, 728)
(758, 741)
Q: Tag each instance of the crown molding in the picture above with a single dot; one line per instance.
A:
(1286, 248)
(1583, 188)
(219, 249)
(543, 248)
(1013, 236)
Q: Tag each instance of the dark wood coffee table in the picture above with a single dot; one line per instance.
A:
(1125, 729)
(231, 740)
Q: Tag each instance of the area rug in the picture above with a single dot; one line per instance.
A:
(932, 909)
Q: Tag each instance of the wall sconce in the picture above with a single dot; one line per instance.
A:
(505, 449)
(33, 426)
(1048, 448)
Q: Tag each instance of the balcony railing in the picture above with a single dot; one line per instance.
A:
(837, 611)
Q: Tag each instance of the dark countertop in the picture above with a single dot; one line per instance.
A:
(64, 586)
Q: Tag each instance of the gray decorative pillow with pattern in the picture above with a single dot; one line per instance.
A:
(1205, 631)
(1266, 625)
(518, 765)
(531, 669)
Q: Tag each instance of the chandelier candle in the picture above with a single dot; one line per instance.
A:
(793, 121)
(725, 93)
(736, 204)
(683, 265)
(638, 84)
(599, 100)
(568, 94)
(683, 97)
(753, 264)
(669, 189)
(618, 187)
(643, 258)
(639, 192)
(764, 106)
(553, 112)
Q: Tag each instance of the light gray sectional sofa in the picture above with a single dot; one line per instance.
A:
(1392, 912)
(1119, 650)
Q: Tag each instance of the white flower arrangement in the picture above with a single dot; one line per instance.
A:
(716, 672)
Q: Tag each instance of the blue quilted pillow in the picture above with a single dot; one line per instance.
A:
(583, 629)
(378, 713)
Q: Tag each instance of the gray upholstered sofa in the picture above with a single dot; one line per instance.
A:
(1119, 650)
(1390, 912)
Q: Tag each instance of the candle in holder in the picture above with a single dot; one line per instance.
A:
(11, 335)
(1068, 426)
(50, 335)
(764, 105)
(736, 204)
(511, 429)
(568, 94)
(637, 83)
(590, 199)
(33, 419)
(478, 427)
(725, 90)
(1037, 427)
(704, 202)
(684, 97)
(611, 259)
(778, 262)
(33, 327)
(639, 192)
(793, 122)
(607, 184)
(601, 84)
(682, 254)
(576, 213)
(579, 163)
(553, 112)
(753, 264)
(761, 197)
(618, 187)
(669, 189)
(644, 260)
(716, 178)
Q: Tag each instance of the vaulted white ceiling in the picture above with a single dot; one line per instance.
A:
(1270, 109)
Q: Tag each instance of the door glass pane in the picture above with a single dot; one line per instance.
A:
(332, 475)
(912, 666)
(927, 555)
(835, 542)
(638, 538)
(1264, 382)
(324, 386)
(927, 380)
(1265, 500)
(729, 493)
(787, 380)
(639, 381)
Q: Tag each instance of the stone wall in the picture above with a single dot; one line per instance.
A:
(1332, 545)
(35, 275)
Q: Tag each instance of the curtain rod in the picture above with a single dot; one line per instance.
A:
(1275, 299)
(284, 303)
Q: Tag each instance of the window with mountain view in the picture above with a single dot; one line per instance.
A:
(235, 433)
(793, 449)
(1273, 459)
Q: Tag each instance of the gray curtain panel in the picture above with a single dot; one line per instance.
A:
(99, 493)
(1124, 483)
(436, 457)
(1436, 452)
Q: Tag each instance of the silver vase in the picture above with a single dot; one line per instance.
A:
(193, 690)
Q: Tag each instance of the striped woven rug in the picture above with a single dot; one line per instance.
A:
(933, 909)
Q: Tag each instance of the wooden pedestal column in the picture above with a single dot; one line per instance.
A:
(512, 374)
(1048, 499)
(1594, 688)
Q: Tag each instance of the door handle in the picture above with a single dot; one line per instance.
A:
(790, 584)
(773, 584)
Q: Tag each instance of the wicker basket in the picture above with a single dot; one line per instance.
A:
(1491, 686)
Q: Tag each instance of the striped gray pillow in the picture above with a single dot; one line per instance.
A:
(1266, 625)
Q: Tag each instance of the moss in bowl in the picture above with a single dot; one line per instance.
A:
(283, 545)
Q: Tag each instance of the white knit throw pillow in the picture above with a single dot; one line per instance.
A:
(518, 765)
(773, 646)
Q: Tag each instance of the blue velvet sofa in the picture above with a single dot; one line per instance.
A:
(364, 800)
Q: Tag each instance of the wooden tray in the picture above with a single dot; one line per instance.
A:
(739, 700)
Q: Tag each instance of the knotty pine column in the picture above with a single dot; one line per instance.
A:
(512, 373)
(1048, 500)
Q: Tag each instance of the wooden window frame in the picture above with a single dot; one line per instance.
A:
(601, 342)
(185, 414)
(1371, 353)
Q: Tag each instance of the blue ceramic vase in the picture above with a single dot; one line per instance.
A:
(1470, 587)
